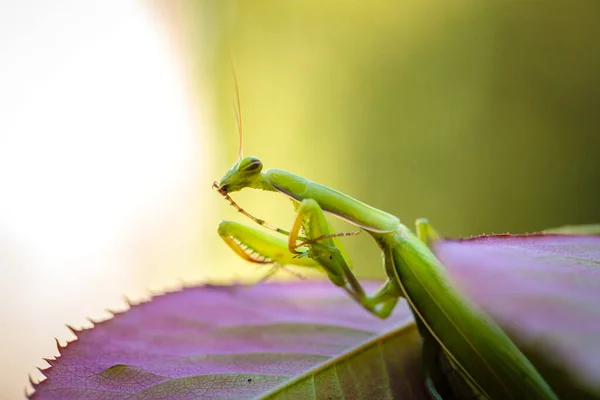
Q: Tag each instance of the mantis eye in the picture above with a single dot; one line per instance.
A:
(250, 164)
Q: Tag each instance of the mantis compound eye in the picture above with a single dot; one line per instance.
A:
(250, 164)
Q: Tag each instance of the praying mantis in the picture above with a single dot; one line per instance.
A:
(452, 327)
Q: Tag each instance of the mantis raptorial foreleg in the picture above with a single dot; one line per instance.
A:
(329, 253)
(259, 247)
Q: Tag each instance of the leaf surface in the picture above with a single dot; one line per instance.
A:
(544, 291)
(241, 342)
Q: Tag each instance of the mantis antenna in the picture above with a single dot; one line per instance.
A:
(238, 109)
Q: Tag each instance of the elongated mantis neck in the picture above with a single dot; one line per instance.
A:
(262, 182)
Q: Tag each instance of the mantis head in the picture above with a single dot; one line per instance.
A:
(244, 173)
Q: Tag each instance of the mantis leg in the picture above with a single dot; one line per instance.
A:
(329, 253)
(259, 247)
(425, 232)
(276, 268)
(272, 271)
(432, 354)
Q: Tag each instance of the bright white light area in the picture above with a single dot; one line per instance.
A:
(96, 137)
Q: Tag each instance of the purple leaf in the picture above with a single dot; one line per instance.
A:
(290, 339)
(239, 342)
(544, 291)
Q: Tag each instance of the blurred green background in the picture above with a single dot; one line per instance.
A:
(481, 116)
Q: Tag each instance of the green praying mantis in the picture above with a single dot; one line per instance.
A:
(453, 329)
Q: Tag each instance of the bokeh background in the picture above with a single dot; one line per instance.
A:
(116, 117)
